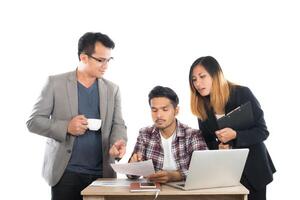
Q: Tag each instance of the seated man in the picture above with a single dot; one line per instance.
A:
(168, 142)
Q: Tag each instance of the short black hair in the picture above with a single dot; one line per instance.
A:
(160, 91)
(86, 43)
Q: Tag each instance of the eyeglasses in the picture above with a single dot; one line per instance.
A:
(101, 60)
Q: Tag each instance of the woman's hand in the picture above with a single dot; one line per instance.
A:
(224, 146)
(226, 134)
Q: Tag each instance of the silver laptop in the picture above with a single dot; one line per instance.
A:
(214, 168)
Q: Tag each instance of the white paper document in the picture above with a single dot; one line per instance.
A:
(143, 168)
(113, 183)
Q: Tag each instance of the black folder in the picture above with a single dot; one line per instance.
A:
(238, 119)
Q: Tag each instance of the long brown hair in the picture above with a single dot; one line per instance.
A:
(220, 89)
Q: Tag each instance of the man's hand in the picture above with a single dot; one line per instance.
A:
(165, 176)
(136, 157)
(118, 149)
(160, 176)
(77, 125)
(226, 134)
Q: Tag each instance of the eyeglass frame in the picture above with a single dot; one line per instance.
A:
(103, 61)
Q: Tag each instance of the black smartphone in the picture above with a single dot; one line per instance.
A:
(147, 185)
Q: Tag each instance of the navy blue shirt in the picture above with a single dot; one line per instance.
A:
(87, 149)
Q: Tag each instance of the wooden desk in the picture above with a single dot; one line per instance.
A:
(167, 192)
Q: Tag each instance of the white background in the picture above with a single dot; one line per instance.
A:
(256, 42)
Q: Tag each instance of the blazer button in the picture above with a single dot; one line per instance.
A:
(69, 151)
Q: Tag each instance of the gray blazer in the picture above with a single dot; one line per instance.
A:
(56, 106)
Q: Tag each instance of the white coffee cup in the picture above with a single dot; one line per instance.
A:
(94, 124)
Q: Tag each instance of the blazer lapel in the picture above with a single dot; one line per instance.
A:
(73, 93)
(103, 100)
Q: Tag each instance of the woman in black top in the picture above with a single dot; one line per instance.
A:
(212, 96)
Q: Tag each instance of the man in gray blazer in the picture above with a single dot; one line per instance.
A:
(75, 156)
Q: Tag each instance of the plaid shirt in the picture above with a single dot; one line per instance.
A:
(186, 141)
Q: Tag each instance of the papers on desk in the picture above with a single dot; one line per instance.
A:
(143, 168)
(113, 183)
